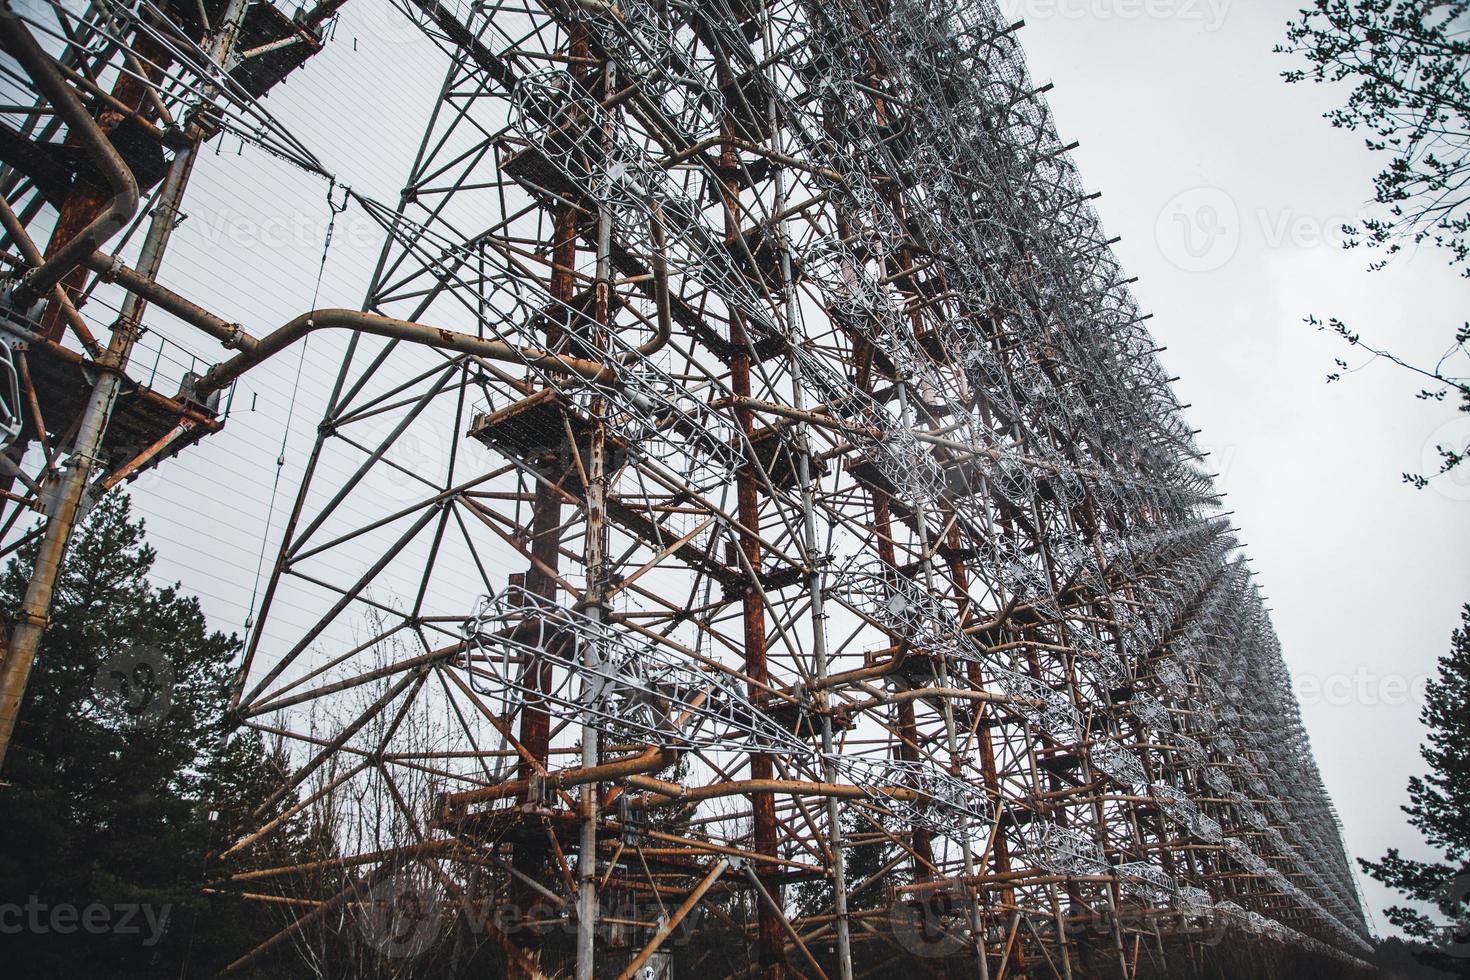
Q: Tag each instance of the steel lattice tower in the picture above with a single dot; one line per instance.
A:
(757, 462)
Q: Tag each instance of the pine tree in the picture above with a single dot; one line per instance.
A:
(119, 756)
(1439, 808)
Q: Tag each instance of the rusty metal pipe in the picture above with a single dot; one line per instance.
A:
(660, 286)
(653, 759)
(254, 349)
(80, 124)
(221, 375)
(659, 792)
(111, 269)
(918, 693)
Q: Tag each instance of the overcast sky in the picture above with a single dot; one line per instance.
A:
(1227, 188)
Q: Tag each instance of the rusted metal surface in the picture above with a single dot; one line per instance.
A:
(809, 535)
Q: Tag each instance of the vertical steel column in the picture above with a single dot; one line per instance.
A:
(595, 561)
(815, 559)
(33, 617)
(908, 728)
(763, 804)
(960, 580)
(921, 521)
(528, 857)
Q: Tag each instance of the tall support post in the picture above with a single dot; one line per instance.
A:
(815, 558)
(908, 727)
(595, 560)
(960, 581)
(817, 591)
(763, 804)
(529, 857)
(67, 509)
(895, 266)
(951, 738)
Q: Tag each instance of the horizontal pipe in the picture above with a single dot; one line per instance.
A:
(653, 759)
(110, 269)
(253, 350)
(234, 337)
(812, 418)
(659, 792)
(914, 694)
(221, 375)
(856, 676)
